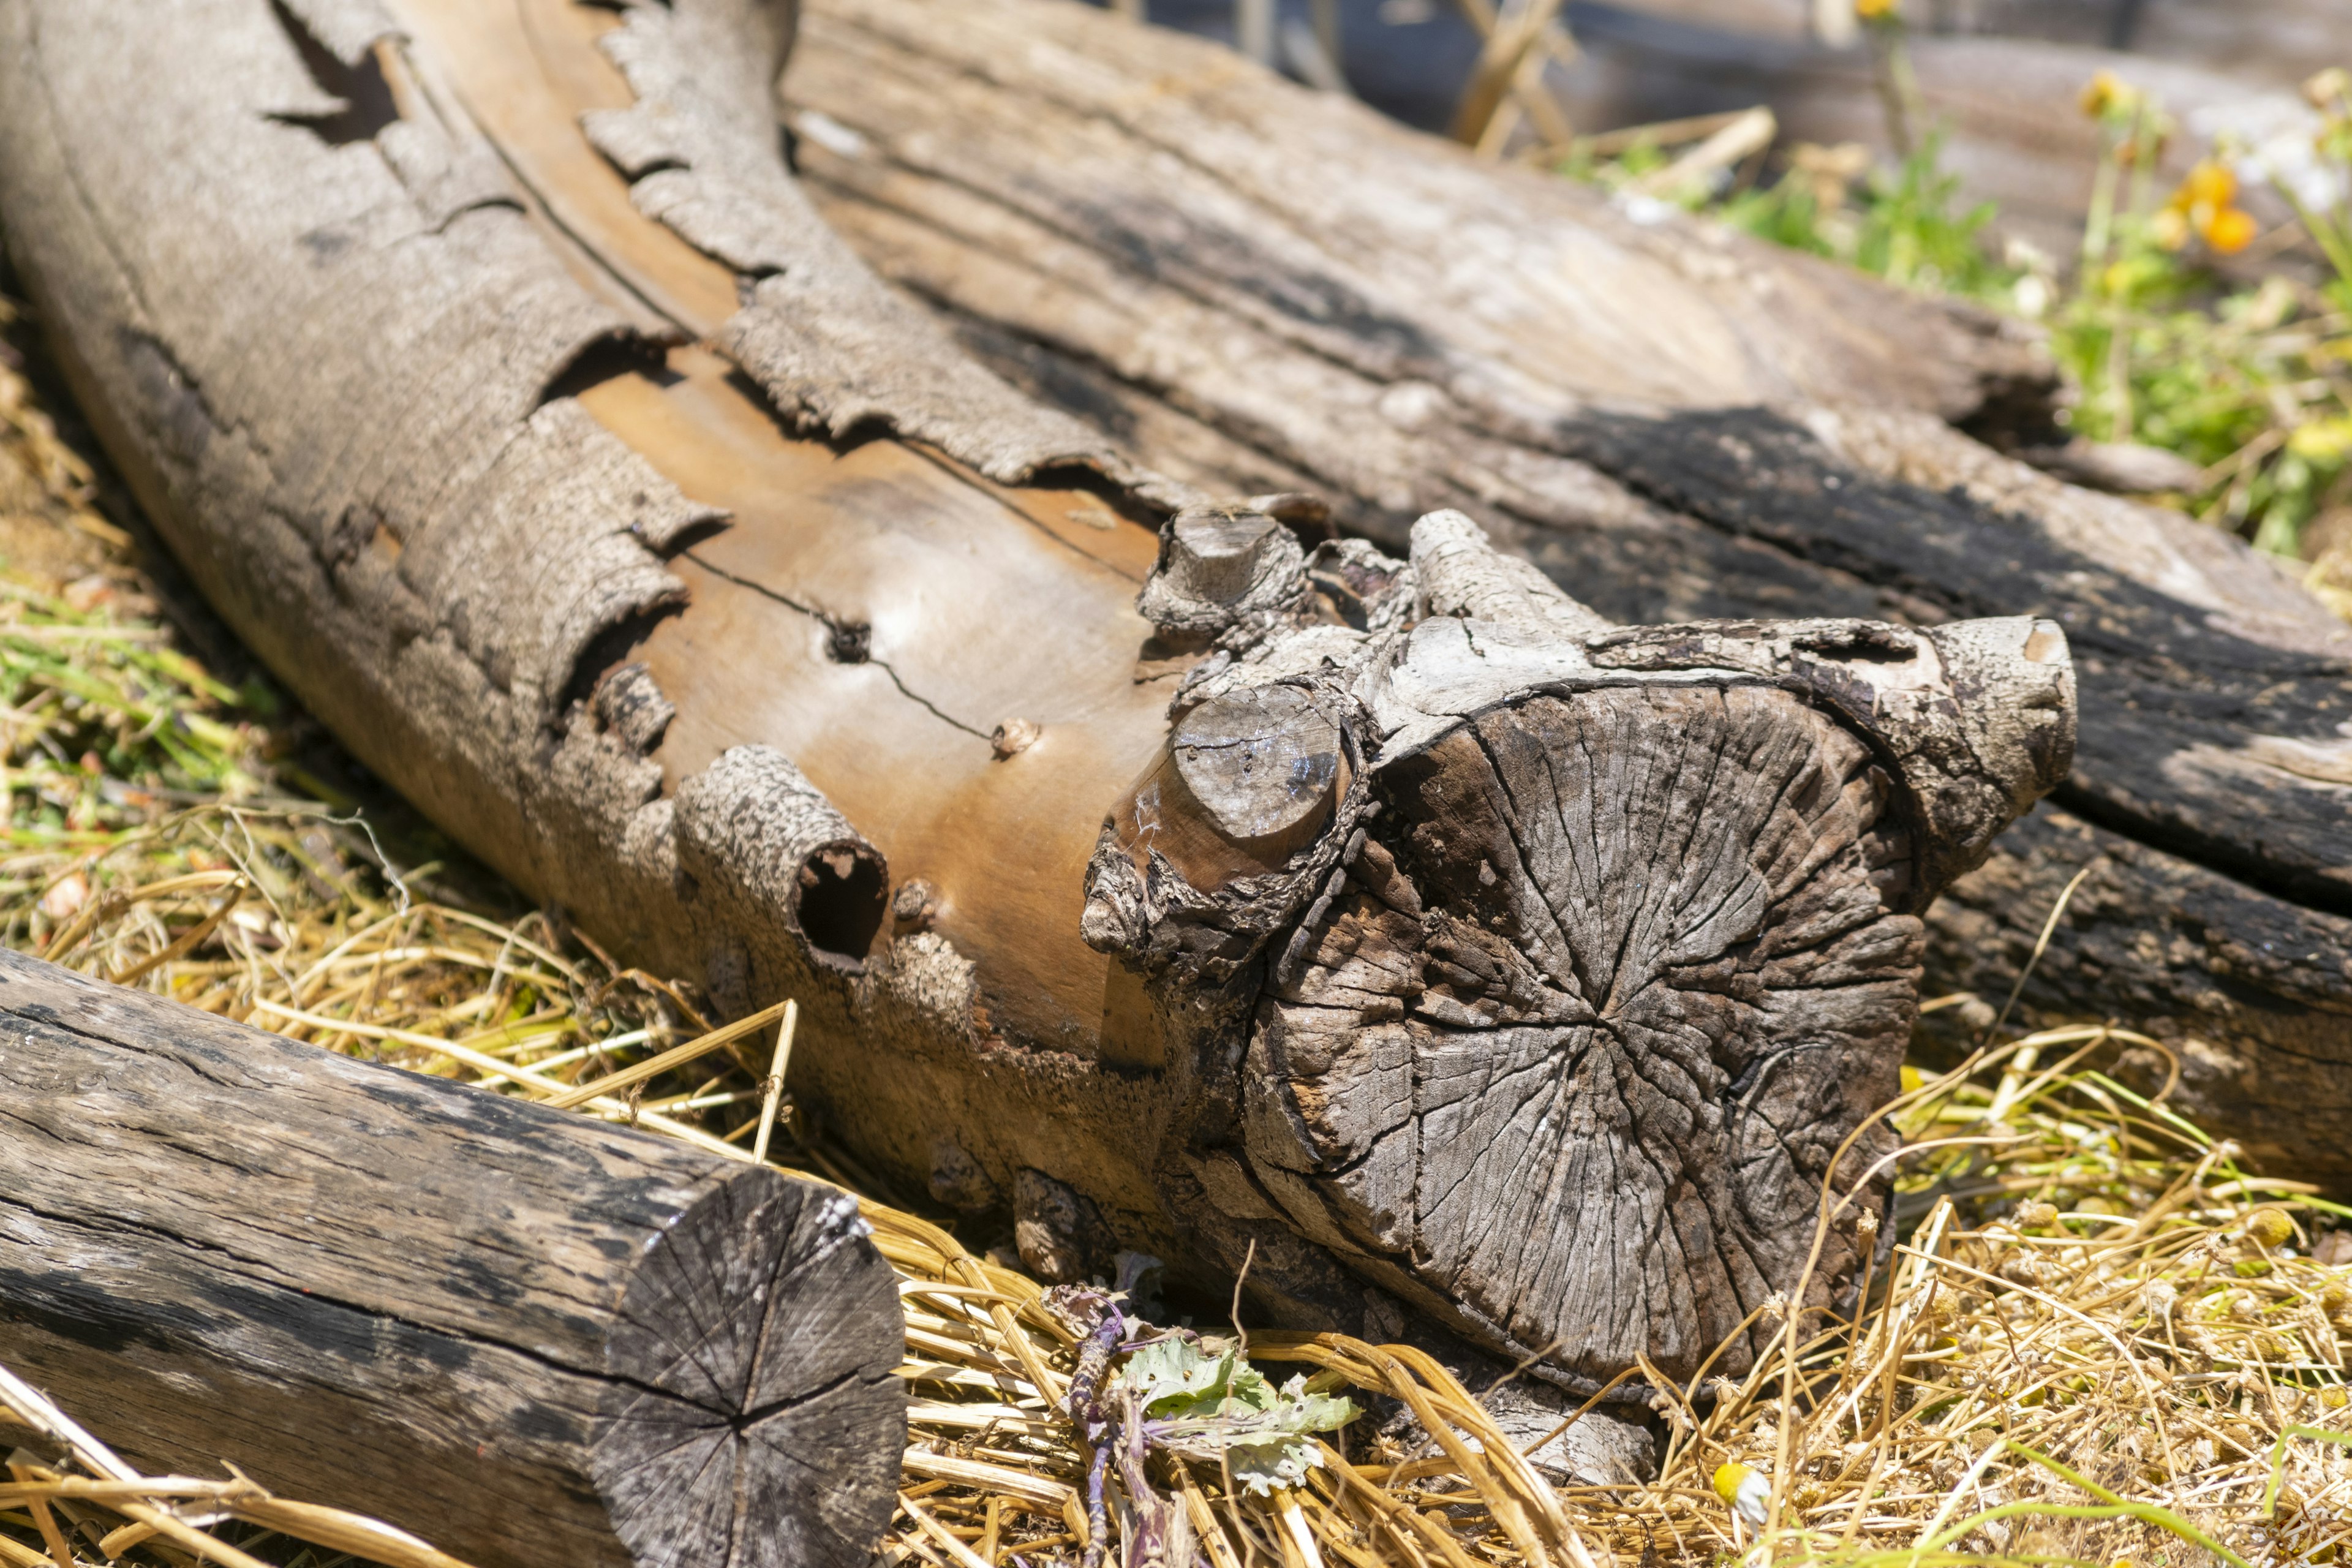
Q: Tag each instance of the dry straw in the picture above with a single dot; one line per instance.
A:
(2093, 1337)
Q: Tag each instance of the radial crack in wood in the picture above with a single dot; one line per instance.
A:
(526, 1336)
(1613, 946)
(383, 434)
(1636, 963)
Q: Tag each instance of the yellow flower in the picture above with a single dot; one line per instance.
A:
(2208, 183)
(2204, 203)
(1877, 10)
(2229, 230)
(2322, 440)
(2269, 1228)
(2106, 93)
(1748, 1494)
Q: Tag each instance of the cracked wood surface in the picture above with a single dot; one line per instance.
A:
(521, 1334)
(494, 378)
(1606, 950)
(1257, 288)
(1605, 1087)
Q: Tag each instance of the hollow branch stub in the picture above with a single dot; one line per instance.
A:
(752, 826)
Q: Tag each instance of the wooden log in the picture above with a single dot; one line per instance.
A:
(526, 1336)
(2277, 45)
(1608, 941)
(543, 437)
(1300, 297)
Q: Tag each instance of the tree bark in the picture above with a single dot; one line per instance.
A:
(526, 1336)
(1257, 288)
(490, 371)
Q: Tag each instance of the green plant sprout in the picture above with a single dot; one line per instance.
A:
(2250, 380)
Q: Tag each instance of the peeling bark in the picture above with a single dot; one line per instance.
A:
(554, 452)
(1258, 288)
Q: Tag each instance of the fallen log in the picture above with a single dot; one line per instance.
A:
(526, 1336)
(1297, 296)
(487, 367)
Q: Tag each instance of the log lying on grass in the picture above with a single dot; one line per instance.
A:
(1257, 288)
(1471, 953)
(529, 1337)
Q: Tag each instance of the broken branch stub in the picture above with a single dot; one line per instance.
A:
(1603, 941)
(1221, 568)
(1437, 887)
(752, 828)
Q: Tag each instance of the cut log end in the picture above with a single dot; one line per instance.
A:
(522, 1335)
(1592, 953)
(754, 1423)
(1611, 979)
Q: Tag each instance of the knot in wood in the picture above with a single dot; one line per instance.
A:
(849, 642)
(1014, 737)
(1264, 762)
(915, 906)
(1219, 566)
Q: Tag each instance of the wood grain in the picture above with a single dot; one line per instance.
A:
(1257, 288)
(526, 1336)
(714, 625)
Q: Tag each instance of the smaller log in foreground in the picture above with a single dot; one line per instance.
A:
(529, 1337)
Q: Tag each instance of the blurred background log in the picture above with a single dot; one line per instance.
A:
(2000, 80)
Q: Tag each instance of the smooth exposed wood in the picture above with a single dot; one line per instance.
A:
(791, 651)
(1296, 295)
(529, 1337)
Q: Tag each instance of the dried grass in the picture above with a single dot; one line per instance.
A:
(2097, 1338)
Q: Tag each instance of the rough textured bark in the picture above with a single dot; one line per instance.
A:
(526, 1336)
(536, 430)
(1257, 288)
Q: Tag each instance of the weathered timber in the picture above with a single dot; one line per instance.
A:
(1257, 288)
(541, 435)
(526, 1336)
(1609, 941)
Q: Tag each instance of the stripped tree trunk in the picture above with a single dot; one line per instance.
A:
(526, 1336)
(488, 369)
(1257, 288)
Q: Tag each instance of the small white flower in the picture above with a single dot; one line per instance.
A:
(1746, 1490)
